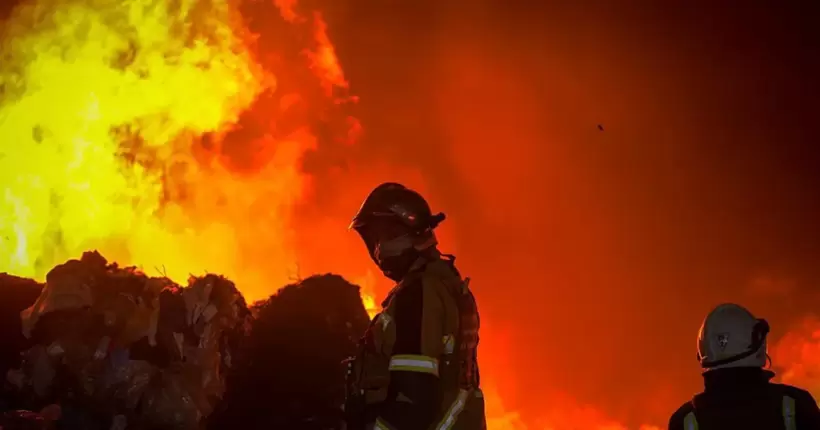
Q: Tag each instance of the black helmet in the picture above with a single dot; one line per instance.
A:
(392, 221)
(397, 202)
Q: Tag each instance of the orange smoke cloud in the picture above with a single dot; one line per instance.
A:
(796, 356)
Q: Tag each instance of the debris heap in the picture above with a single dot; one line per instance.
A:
(115, 348)
(289, 373)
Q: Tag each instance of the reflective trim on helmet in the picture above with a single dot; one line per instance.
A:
(382, 425)
(414, 363)
(690, 422)
(455, 409)
(788, 413)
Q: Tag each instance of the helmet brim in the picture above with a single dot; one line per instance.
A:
(355, 224)
(361, 220)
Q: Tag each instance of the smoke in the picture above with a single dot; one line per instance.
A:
(595, 252)
(797, 355)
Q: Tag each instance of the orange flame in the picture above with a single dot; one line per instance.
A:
(102, 141)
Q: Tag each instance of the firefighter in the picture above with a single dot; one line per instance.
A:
(417, 365)
(737, 391)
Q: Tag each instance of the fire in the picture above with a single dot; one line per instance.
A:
(562, 414)
(99, 100)
(112, 120)
(115, 118)
(498, 418)
(115, 122)
(367, 284)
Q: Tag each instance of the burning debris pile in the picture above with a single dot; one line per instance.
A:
(115, 348)
(103, 347)
(151, 131)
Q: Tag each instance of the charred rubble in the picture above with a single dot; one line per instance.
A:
(100, 346)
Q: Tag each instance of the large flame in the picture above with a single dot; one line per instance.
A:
(100, 99)
(111, 120)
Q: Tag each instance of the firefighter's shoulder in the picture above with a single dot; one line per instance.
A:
(405, 303)
(678, 419)
(799, 396)
(409, 288)
(414, 295)
(441, 272)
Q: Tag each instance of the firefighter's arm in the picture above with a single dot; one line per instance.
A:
(808, 414)
(678, 420)
(413, 395)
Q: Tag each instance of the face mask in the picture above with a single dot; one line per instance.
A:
(392, 248)
(395, 256)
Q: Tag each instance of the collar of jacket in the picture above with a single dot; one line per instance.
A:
(736, 378)
(415, 268)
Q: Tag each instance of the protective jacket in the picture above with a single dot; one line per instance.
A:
(417, 368)
(744, 398)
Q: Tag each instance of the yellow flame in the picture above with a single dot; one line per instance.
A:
(102, 108)
(367, 284)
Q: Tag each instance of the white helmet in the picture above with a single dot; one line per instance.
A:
(731, 336)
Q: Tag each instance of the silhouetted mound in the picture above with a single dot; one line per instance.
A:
(111, 348)
(16, 294)
(289, 373)
(111, 345)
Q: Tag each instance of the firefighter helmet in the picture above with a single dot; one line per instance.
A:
(393, 200)
(731, 336)
(395, 222)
